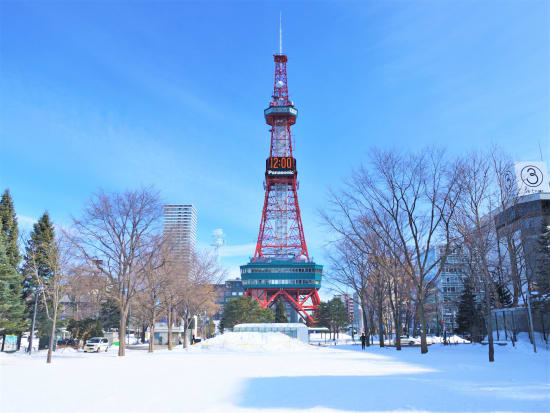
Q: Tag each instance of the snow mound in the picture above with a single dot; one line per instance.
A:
(253, 342)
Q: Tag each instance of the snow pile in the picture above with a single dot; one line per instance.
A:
(451, 339)
(252, 342)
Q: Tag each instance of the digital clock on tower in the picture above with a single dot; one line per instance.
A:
(280, 166)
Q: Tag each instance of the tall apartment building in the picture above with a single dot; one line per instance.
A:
(180, 221)
(348, 303)
(450, 286)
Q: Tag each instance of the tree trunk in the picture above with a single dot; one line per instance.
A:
(371, 326)
(415, 321)
(516, 282)
(151, 338)
(122, 333)
(397, 322)
(543, 328)
(185, 332)
(423, 341)
(143, 328)
(365, 325)
(169, 320)
(380, 326)
(505, 326)
(76, 317)
(489, 324)
(52, 334)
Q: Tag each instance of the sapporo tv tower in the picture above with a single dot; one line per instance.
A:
(281, 267)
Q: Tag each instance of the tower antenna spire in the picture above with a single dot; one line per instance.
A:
(280, 32)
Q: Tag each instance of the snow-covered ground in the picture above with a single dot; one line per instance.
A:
(324, 339)
(266, 377)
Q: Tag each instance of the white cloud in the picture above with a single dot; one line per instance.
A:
(243, 250)
(25, 223)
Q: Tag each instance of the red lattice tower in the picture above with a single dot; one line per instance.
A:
(281, 233)
(281, 267)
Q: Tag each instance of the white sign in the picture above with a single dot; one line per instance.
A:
(531, 177)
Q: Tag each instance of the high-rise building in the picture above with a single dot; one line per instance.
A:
(180, 222)
(450, 286)
(348, 303)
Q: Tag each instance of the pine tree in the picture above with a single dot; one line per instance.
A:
(338, 313)
(332, 315)
(9, 229)
(323, 315)
(12, 309)
(244, 310)
(109, 314)
(36, 263)
(280, 312)
(504, 295)
(467, 310)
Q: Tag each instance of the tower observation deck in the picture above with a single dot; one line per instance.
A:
(281, 267)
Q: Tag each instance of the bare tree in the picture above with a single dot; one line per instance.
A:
(507, 197)
(86, 289)
(154, 282)
(174, 292)
(351, 268)
(114, 234)
(474, 224)
(197, 289)
(58, 258)
(408, 201)
(399, 287)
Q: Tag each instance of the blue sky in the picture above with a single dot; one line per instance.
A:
(120, 94)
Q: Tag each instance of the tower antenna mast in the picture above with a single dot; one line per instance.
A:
(281, 32)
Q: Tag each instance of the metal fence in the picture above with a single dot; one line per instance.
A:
(510, 321)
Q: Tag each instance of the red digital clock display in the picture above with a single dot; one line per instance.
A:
(280, 166)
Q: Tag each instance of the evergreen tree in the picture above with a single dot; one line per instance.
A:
(469, 315)
(12, 308)
(504, 295)
(466, 309)
(339, 314)
(37, 264)
(109, 314)
(323, 315)
(332, 315)
(9, 229)
(244, 310)
(83, 330)
(280, 312)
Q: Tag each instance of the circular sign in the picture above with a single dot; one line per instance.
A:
(531, 176)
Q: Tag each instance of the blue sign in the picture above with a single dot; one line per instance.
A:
(10, 344)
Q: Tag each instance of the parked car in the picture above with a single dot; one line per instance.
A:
(96, 344)
(411, 341)
(69, 342)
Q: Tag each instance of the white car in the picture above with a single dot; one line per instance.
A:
(409, 341)
(96, 344)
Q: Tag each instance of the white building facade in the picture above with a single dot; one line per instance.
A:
(180, 222)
